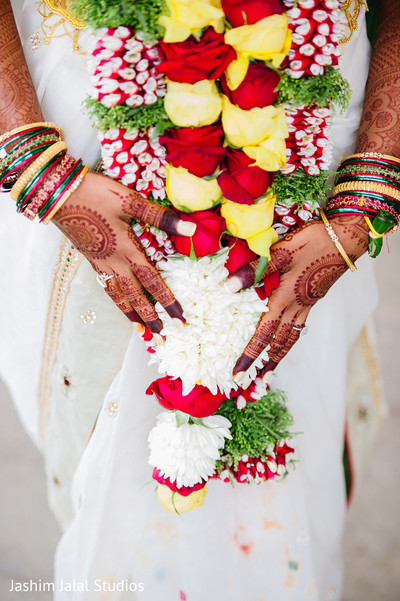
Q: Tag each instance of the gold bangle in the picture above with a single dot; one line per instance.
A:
(362, 186)
(371, 155)
(17, 130)
(336, 242)
(67, 194)
(37, 164)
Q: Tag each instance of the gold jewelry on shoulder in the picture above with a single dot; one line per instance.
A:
(352, 17)
(57, 22)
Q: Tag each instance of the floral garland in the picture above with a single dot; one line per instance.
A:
(221, 109)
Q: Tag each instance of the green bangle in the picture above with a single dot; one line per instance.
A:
(24, 158)
(367, 178)
(31, 184)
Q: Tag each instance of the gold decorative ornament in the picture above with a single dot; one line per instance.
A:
(352, 9)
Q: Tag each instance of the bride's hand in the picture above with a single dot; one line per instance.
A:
(96, 219)
(309, 264)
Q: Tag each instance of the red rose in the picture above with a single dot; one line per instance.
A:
(269, 283)
(197, 149)
(257, 89)
(241, 183)
(191, 61)
(239, 255)
(247, 12)
(198, 403)
(206, 238)
(185, 491)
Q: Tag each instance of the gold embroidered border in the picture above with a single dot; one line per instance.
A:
(372, 364)
(60, 7)
(68, 261)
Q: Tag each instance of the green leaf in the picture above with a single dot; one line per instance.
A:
(181, 418)
(192, 255)
(173, 502)
(140, 14)
(122, 115)
(323, 90)
(261, 268)
(259, 425)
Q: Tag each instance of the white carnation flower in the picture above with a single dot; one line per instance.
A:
(219, 325)
(186, 454)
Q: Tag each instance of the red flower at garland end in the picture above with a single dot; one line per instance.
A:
(248, 12)
(206, 239)
(197, 149)
(200, 402)
(194, 60)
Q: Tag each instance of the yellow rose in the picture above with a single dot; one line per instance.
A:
(175, 502)
(252, 223)
(192, 105)
(270, 155)
(268, 40)
(247, 128)
(188, 193)
(189, 16)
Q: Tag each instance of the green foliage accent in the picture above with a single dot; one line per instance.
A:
(298, 187)
(140, 14)
(122, 115)
(261, 269)
(257, 426)
(322, 90)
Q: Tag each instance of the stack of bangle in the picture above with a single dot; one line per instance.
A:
(35, 167)
(368, 184)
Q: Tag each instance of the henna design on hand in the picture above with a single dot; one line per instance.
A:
(286, 336)
(315, 281)
(134, 205)
(355, 226)
(135, 295)
(261, 339)
(88, 230)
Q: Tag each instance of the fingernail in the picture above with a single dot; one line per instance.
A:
(139, 328)
(267, 376)
(186, 228)
(175, 311)
(239, 377)
(178, 323)
(233, 284)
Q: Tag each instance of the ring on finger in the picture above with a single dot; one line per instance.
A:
(302, 329)
(103, 278)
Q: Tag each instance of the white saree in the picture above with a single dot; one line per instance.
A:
(67, 353)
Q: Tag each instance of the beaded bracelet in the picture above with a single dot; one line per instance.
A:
(333, 236)
(371, 155)
(362, 204)
(35, 167)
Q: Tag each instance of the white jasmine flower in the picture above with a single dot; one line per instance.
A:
(186, 454)
(219, 325)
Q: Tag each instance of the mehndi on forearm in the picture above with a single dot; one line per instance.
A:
(18, 101)
(380, 122)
